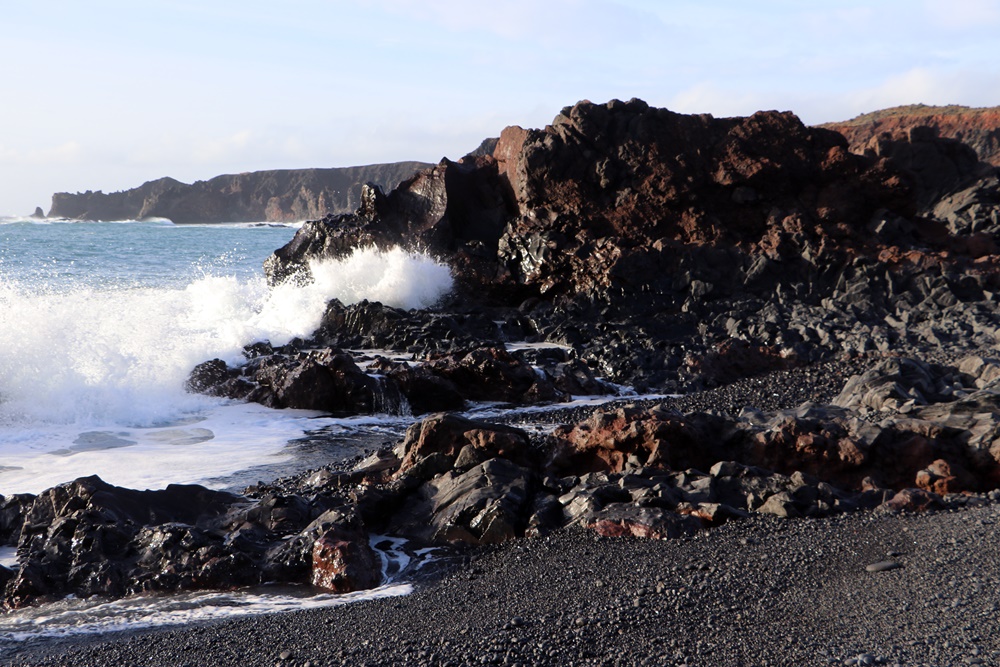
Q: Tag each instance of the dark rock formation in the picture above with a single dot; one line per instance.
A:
(90, 538)
(629, 471)
(279, 196)
(645, 240)
(328, 379)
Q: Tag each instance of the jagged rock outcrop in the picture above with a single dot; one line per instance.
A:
(287, 195)
(611, 202)
(645, 239)
(88, 537)
(330, 380)
(979, 128)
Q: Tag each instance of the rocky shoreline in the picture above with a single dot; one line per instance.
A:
(762, 591)
(827, 319)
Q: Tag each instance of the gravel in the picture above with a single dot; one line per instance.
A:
(762, 591)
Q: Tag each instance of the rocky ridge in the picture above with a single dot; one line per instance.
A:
(289, 195)
(978, 128)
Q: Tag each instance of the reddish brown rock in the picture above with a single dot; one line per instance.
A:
(913, 500)
(606, 194)
(625, 521)
(937, 478)
(609, 441)
(822, 448)
(978, 128)
(344, 563)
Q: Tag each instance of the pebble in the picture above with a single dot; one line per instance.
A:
(884, 566)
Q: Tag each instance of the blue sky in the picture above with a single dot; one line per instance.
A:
(107, 94)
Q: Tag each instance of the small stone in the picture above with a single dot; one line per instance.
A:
(884, 566)
(284, 655)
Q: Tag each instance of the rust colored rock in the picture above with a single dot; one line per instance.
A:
(609, 440)
(344, 564)
(979, 128)
(824, 449)
(913, 500)
(625, 521)
(941, 477)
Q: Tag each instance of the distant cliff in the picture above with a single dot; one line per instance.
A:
(276, 196)
(977, 127)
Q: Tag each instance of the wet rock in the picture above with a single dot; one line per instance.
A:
(12, 511)
(79, 537)
(493, 374)
(344, 563)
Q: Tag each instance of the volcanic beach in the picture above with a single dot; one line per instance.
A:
(806, 473)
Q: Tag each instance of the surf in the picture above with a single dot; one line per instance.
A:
(95, 370)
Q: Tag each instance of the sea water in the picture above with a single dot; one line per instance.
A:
(100, 325)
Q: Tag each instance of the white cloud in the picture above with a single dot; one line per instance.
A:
(720, 102)
(929, 86)
(225, 148)
(962, 14)
(579, 24)
(69, 152)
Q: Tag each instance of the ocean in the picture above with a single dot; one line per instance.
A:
(100, 325)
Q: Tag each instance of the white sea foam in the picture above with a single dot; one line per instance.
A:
(394, 277)
(72, 617)
(95, 372)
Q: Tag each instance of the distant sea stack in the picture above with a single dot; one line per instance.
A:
(285, 195)
(976, 127)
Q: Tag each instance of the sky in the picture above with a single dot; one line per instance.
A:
(107, 94)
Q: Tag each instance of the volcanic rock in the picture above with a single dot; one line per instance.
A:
(343, 563)
(977, 128)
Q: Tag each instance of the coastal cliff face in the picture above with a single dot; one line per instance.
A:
(273, 196)
(977, 128)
